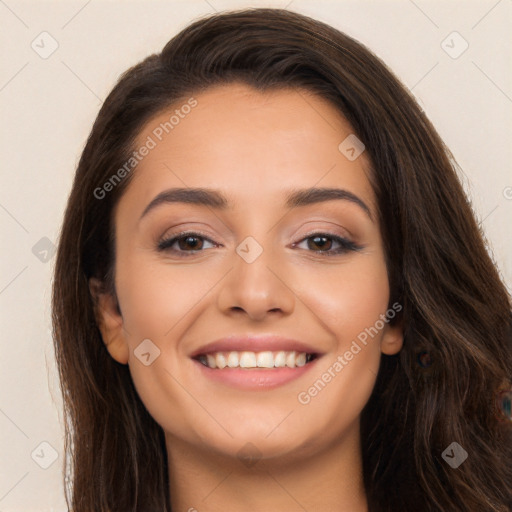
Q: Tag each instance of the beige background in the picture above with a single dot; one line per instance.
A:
(48, 107)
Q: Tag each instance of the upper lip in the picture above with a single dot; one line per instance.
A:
(257, 343)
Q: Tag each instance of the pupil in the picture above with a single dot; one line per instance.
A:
(318, 240)
(188, 239)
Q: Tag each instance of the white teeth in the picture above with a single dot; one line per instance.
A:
(300, 360)
(265, 360)
(280, 359)
(290, 359)
(247, 359)
(220, 361)
(233, 359)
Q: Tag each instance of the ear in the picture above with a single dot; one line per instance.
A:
(109, 320)
(392, 338)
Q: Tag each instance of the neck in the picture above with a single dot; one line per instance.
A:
(202, 480)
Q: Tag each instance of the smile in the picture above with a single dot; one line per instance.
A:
(251, 360)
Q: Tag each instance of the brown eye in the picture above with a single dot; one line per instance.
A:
(190, 242)
(185, 242)
(322, 243)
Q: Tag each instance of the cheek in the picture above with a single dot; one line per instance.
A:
(156, 297)
(347, 299)
(158, 303)
(350, 305)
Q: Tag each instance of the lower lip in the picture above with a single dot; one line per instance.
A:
(257, 379)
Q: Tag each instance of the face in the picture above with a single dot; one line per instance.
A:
(284, 292)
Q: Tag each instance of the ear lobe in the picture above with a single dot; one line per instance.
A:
(392, 339)
(109, 320)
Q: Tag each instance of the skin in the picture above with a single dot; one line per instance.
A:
(254, 148)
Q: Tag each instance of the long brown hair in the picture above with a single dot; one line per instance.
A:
(441, 388)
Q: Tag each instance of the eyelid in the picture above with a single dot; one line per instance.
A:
(327, 227)
(329, 232)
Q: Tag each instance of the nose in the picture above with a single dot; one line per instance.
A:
(257, 288)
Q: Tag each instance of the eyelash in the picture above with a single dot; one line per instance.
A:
(345, 244)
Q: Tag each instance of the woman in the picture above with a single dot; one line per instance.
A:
(270, 290)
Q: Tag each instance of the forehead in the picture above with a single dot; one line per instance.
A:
(252, 144)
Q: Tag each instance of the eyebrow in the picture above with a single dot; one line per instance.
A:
(215, 199)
